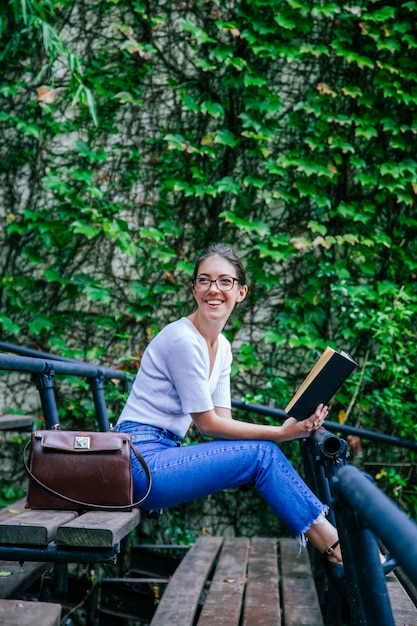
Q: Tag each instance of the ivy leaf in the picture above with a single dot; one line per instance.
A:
(212, 108)
(88, 230)
(257, 226)
(226, 138)
(8, 325)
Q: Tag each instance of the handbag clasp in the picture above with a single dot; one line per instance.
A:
(81, 443)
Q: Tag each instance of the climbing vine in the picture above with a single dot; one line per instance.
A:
(132, 134)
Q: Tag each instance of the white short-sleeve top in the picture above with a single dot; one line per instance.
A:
(174, 379)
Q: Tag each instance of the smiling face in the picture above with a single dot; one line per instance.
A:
(216, 304)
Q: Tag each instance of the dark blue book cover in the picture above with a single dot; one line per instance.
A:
(321, 384)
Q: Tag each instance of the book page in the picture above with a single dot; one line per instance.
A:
(325, 357)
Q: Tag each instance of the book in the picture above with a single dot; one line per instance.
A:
(325, 378)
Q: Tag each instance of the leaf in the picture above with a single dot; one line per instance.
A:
(226, 138)
(212, 108)
(8, 325)
(243, 224)
(88, 230)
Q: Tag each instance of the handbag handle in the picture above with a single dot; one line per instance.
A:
(89, 505)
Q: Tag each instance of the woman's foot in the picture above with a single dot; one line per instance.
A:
(335, 570)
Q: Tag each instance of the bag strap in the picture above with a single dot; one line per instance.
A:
(89, 505)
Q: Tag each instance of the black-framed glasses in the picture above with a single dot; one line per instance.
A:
(223, 283)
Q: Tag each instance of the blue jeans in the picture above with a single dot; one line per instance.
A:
(183, 473)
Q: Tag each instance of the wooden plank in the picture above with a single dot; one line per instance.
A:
(404, 610)
(14, 508)
(97, 529)
(262, 598)
(299, 597)
(21, 613)
(33, 527)
(223, 604)
(16, 422)
(15, 578)
(179, 602)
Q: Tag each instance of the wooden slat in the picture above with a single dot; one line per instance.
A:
(16, 422)
(10, 510)
(262, 600)
(97, 529)
(33, 527)
(20, 613)
(179, 603)
(15, 578)
(225, 594)
(404, 610)
(300, 603)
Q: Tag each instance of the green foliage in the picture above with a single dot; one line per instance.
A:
(133, 134)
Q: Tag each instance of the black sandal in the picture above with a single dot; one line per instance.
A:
(336, 572)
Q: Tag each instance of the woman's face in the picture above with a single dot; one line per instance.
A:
(216, 303)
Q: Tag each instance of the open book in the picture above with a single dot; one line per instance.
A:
(325, 378)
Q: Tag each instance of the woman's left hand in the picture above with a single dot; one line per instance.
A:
(296, 429)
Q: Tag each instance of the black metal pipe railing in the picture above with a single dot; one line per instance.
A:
(391, 525)
(325, 458)
(43, 372)
(333, 427)
(60, 365)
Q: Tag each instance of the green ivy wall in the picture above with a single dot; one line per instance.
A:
(134, 133)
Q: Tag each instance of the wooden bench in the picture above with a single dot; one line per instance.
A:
(403, 608)
(241, 581)
(16, 422)
(21, 613)
(32, 542)
(65, 536)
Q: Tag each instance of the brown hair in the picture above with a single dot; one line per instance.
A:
(220, 249)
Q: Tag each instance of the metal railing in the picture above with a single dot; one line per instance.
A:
(362, 513)
(43, 368)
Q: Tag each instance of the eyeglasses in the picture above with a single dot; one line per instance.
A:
(224, 283)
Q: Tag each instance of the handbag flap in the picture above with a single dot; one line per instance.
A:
(79, 441)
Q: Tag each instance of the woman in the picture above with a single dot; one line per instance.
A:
(184, 377)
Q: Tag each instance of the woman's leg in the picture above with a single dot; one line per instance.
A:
(184, 473)
(323, 535)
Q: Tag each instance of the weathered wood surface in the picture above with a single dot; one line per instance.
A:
(97, 529)
(403, 609)
(16, 422)
(93, 529)
(179, 603)
(16, 578)
(20, 613)
(241, 585)
(32, 528)
(300, 602)
(225, 594)
(12, 509)
(262, 596)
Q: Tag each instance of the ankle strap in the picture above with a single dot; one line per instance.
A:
(330, 549)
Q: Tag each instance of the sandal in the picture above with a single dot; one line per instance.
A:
(336, 572)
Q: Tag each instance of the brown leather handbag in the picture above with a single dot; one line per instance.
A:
(79, 470)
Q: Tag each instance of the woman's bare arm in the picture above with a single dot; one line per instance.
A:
(213, 424)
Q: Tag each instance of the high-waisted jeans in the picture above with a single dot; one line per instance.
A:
(183, 473)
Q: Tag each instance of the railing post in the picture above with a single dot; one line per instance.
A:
(323, 454)
(97, 388)
(44, 382)
(369, 602)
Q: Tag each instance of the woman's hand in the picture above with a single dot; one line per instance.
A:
(296, 429)
(213, 424)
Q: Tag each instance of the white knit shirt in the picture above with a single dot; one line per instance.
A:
(174, 379)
